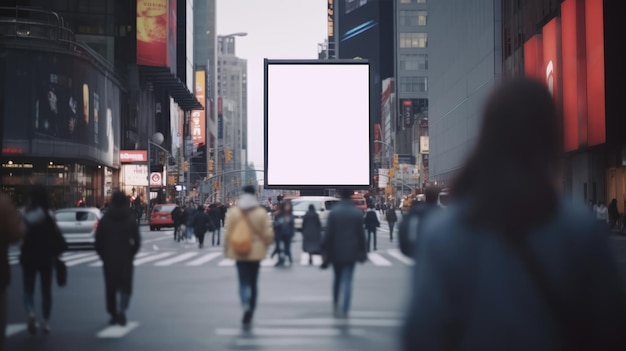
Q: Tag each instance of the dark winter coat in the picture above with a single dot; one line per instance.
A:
(371, 220)
(344, 239)
(177, 216)
(284, 226)
(201, 223)
(43, 240)
(222, 211)
(311, 233)
(117, 242)
(215, 219)
(188, 215)
(391, 215)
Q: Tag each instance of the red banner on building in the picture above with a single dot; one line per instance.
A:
(156, 32)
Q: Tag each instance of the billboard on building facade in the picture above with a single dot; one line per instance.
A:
(136, 175)
(424, 144)
(198, 117)
(316, 137)
(62, 107)
(156, 33)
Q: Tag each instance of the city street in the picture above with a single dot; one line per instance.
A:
(186, 298)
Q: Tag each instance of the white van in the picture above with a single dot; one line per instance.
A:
(323, 205)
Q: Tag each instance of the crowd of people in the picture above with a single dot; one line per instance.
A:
(536, 274)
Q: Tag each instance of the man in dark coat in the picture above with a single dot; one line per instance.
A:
(201, 222)
(188, 215)
(214, 223)
(117, 243)
(343, 247)
(311, 233)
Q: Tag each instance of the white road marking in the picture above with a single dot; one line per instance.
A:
(377, 259)
(300, 299)
(176, 259)
(277, 342)
(397, 254)
(204, 259)
(158, 239)
(269, 262)
(375, 314)
(82, 260)
(14, 261)
(227, 262)
(140, 254)
(68, 256)
(151, 258)
(331, 322)
(117, 331)
(286, 332)
(13, 329)
(304, 259)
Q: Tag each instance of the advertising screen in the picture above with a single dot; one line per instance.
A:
(198, 117)
(62, 106)
(317, 124)
(156, 33)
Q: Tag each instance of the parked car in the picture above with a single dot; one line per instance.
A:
(79, 224)
(323, 205)
(161, 216)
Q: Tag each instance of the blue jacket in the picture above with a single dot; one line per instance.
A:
(344, 239)
(471, 286)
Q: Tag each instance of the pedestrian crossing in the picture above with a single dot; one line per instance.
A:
(213, 258)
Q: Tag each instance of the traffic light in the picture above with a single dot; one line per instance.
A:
(186, 166)
(392, 173)
(396, 163)
(211, 165)
(228, 155)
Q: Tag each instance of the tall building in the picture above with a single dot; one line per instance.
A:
(411, 70)
(364, 29)
(95, 90)
(465, 62)
(232, 85)
(574, 46)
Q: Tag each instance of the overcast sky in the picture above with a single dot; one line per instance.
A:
(277, 29)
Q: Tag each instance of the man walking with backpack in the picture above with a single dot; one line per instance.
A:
(248, 235)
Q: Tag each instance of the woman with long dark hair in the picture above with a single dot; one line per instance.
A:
(511, 265)
(284, 227)
(43, 243)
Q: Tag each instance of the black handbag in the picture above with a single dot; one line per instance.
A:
(61, 271)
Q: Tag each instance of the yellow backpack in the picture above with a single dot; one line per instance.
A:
(240, 238)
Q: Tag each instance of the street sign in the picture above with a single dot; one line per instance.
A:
(156, 179)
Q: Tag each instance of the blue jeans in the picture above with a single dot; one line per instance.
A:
(248, 273)
(189, 231)
(342, 286)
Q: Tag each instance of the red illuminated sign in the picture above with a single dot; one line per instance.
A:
(596, 114)
(131, 156)
(533, 57)
(574, 130)
(12, 150)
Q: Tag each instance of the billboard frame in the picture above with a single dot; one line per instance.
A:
(320, 187)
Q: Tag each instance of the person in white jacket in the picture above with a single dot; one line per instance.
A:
(602, 212)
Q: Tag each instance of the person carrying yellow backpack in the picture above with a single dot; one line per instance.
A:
(248, 235)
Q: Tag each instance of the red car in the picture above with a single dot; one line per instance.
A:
(161, 216)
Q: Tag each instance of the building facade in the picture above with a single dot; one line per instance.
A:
(232, 89)
(465, 63)
(95, 85)
(573, 46)
(411, 70)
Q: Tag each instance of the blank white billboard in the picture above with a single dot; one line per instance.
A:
(317, 124)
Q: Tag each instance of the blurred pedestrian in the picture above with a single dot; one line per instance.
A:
(371, 224)
(613, 213)
(201, 223)
(177, 217)
(409, 228)
(277, 242)
(138, 207)
(117, 242)
(11, 231)
(391, 218)
(342, 247)
(214, 224)
(311, 233)
(532, 275)
(247, 236)
(602, 213)
(42, 245)
(188, 215)
(284, 226)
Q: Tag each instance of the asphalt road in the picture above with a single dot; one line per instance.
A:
(186, 298)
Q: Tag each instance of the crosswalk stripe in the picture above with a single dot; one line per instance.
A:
(14, 261)
(227, 262)
(378, 259)
(73, 256)
(176, 259)
(82, 260)
(141, 254)
(269, 262)
(304, 259)
(151, 258)
(204, 259)
(397, 254)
